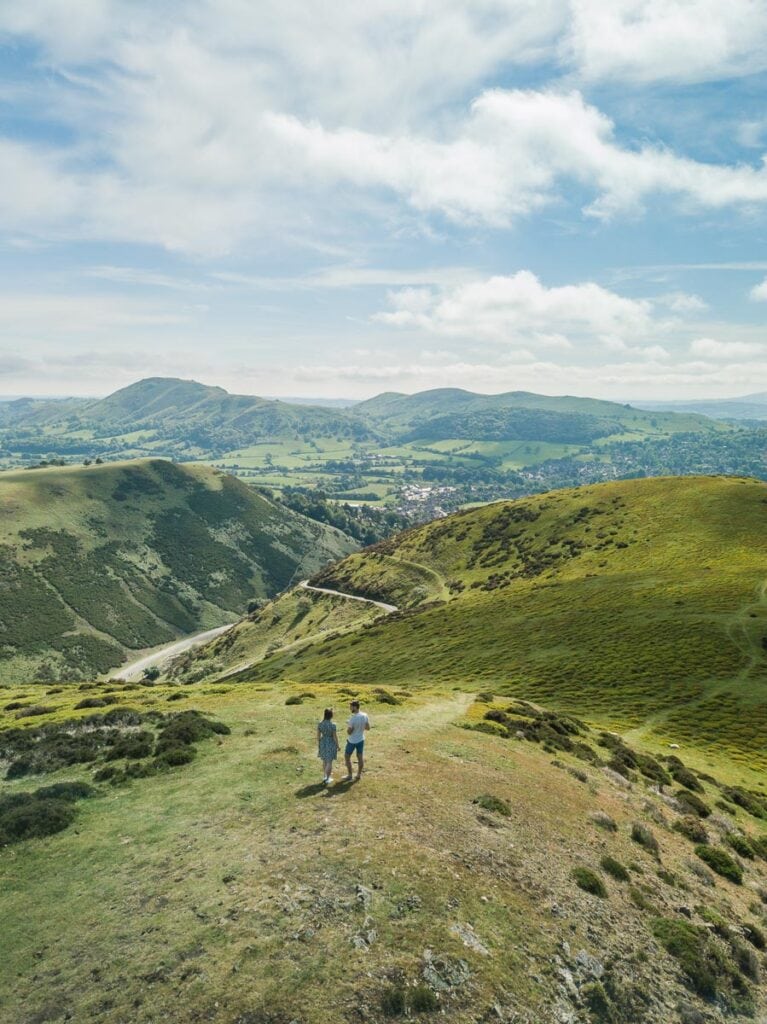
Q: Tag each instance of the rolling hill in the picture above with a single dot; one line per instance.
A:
(641, 605)
(99, 560)
(747, 407)
(447, 413)
(507, 858)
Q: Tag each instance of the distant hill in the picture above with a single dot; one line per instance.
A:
(96, 561)
(447, 413)
(749, 407)
(639, 604)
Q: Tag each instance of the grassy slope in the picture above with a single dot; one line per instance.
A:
(638, 604)
(102, 559)
(227, 890)
(397, 413)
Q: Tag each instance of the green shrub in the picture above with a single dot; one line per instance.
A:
(95, 702)
(175, 756)
(422, 999)
(388, 698)
(642, 835)
(745, 959)
(70, 791)
(589, 881)
(33, 819)
(755, 936)
(721, 862)
(35, 710)
(692, 804)
(597, 1002)
(692, 828)
(294, 699)
(105, 774)
(615, 868)
(178, 696)
(640, 899)
(740, 845)
(686, 778)
(494, 803)
(759, 845)
(491, 728)
(691, 948)
(394, 1001)
(135, 745)
(485, 697)
(668, 877)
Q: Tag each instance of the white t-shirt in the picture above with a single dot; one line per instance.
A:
(358, 721)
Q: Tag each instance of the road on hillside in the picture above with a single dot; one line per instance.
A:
(160, 657)
(351, 597)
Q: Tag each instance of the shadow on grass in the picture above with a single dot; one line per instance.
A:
(315, 788)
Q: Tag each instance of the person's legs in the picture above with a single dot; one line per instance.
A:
(327, 768)
(348, 759)
(360, 761)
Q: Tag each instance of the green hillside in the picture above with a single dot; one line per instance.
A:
(99, 560)
(639, 604)
(451, 413)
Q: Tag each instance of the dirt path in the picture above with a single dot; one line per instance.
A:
(351, 597)
(162, 655)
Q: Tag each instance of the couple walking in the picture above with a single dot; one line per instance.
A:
(327, 738)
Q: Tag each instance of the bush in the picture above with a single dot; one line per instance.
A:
(692, 828)
(388, 698)
(755, 936)
(394, 1001)
(740, 845)
(423, 1000)
(721, 862)
(35, 710)
(615, 868)
(691, 948)
(597, 1002)
(589, 881)
(70, 791)
(295, 699)
(759, 846)
(642, 835)
(175, 756)
(33, 818)
(692, 804)
(134, 746)
(485, 697)
(95, 702)
(494, 803)
(685, 778)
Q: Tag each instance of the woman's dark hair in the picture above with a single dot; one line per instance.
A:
(328, 715)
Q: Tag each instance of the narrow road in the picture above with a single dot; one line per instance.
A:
(351, 597)
(162, 655)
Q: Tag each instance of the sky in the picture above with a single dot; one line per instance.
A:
(286, 197)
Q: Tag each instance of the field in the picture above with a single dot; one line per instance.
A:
(638, 605)
(237, 889)
(99, 560)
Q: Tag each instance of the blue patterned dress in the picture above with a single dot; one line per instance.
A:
(328, 740)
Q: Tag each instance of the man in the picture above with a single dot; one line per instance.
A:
(356, 727)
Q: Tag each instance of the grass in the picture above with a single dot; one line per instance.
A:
(96, 561)
(640, 605)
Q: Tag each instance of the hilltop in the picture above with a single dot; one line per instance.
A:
(638, 604)
(104, 559)
(562, 820)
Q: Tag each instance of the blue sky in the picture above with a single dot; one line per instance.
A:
(563, 196)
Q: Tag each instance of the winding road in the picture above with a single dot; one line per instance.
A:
(136, 669)
(389, 608)
(160, 657)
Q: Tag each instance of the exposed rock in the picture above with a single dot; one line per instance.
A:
(363, 896)
(466, 934)
(442, 973)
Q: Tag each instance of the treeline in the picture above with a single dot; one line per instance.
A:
(366, 524)
(515, 425)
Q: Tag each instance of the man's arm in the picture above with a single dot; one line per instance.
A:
(367, 723)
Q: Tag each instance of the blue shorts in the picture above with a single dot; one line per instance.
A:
(351, 747)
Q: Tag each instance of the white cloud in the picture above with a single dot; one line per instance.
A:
(53, 315)
(656, 40)
(736, 351)
(759, 292)
(518, 307)
(683, 302)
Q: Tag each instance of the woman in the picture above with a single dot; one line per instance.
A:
(327, 740)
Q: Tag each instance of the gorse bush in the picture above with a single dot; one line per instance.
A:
(740, 845)
(496, 804)
(721, 862)
(589, 881)
(43, 812)
(615, 868)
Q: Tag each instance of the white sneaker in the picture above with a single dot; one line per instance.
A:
(329, 779)
(325, 781)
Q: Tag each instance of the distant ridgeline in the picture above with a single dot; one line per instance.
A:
(96, 561)
(194, 419)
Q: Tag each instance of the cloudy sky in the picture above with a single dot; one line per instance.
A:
(287, 197)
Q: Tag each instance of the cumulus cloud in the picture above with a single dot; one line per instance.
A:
(735, 351)
(759, 292)
(519, 307)
(682, 40)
